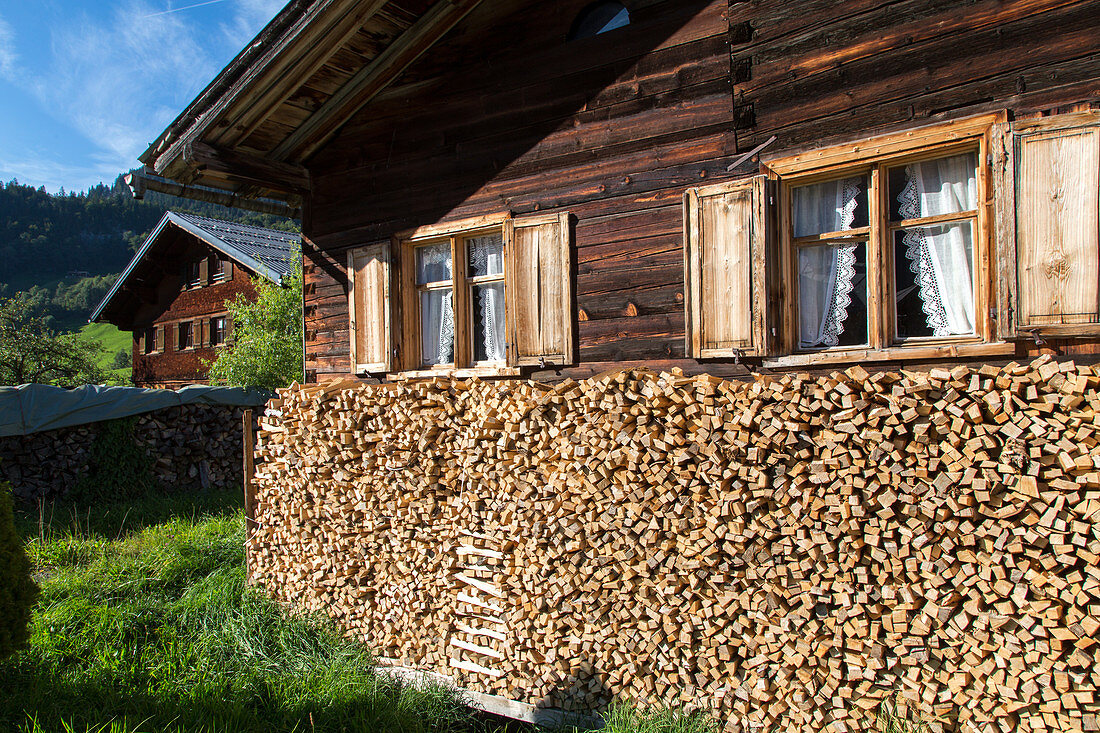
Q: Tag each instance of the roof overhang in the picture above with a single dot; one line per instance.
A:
(251, 130)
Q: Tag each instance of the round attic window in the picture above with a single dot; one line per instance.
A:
(599, 17)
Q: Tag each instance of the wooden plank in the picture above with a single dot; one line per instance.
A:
(1058, 226)
(370, 308)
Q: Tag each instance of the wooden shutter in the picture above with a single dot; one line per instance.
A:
(204, 331)
(159, 339)
(204, 271)
(1047, 199)
(141, 342)
(725, 236)
(370, 306)
(228, 327)
(227, 268)
(538, 290)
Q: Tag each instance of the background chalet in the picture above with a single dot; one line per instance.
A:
(173, 293)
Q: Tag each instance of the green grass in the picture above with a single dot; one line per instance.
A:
(146, 624)
(112, 340)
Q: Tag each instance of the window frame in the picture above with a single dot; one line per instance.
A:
(224, 331)
(873, 158)
(190, 326)
(456, 234)
(149, 345)
(217, 270)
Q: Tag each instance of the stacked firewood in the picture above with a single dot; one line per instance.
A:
(789, 552)
(190, 446)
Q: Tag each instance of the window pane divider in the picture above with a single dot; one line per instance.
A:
(959, 216)
(860, 233)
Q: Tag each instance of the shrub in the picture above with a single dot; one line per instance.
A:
(18, 593)
(118, 468)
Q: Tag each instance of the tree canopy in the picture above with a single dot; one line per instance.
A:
(33, 353)
(265, 350)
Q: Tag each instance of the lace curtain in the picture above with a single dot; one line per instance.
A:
(826, 272)
(486, 259)
(942, 256)
(437, 319)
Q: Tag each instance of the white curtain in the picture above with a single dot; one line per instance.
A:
(942, 256)
(437, 321)
(825, 272)
(486, 258)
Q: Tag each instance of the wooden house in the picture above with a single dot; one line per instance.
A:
(550, 189)
(173, 294)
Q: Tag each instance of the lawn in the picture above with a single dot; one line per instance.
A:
(146, 624)
(113, 341)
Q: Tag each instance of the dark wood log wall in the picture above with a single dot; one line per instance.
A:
(505, 115)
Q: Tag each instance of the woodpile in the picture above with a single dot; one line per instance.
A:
(193, 447)
(789, 551)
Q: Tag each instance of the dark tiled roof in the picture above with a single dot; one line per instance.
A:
(275, 249)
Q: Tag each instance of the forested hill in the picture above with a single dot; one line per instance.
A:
(43, 236)
(65, 250)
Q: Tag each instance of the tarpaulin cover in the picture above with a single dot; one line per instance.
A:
(33, 408)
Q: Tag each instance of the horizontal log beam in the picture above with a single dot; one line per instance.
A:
(237, 167)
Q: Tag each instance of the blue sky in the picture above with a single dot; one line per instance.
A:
(86, 85)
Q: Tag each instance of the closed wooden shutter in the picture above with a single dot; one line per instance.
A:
(538, 290)
(725, 237)
(141, 342)
(227, 268)
(228, 328)
(204, 271)
(370, 306)
(1047, 198)
(160, 338)
(204, 330)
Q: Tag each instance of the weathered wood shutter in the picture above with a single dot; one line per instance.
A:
(204, 271)
(141, 342)
(1047, 199)
(725, 237)
(538, 290)
(370, 306)
(205, 331)
(159, 340)
(228, 327)
(227, 269)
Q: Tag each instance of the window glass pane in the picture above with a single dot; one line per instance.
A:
(486, 255)
(832, 295)
(934, 280)
(488, 302)
(934, 187)
(437, 327)
(433, 263)
(832, 206)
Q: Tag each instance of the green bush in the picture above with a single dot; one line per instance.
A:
(18, 592)
(118, 468)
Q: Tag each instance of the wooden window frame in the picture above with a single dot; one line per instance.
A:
(225, 330)
(149, 346)
(873, 158)
(179, 326)
(455, 234)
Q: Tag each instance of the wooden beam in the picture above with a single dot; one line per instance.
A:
(372, 79)
(285, 77)
(139, 183)
(237, 167)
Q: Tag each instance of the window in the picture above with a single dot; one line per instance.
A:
(599, 17)
(873, 251)
(185, 335)
(474, 297)
(924, 259)
(149, 340)
(217, 269)
(217, 331)
(194, 274)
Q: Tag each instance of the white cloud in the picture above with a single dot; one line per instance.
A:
(8, 56)
(121, 81)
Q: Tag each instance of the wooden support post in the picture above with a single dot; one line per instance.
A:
(249, 489)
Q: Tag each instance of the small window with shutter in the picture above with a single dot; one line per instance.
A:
(1047, 200)
(724, 263)
(476, 297)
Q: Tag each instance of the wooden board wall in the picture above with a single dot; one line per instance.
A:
(505, 115)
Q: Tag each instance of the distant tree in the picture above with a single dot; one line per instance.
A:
(122, 360)
(33, 353)
(265, 349)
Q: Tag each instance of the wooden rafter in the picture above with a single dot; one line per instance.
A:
(283, 80)
(369, 81)
(238, 167)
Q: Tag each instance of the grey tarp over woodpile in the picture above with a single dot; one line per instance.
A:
(32, 408)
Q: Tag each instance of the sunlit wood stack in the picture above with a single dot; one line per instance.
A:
(789, 551)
